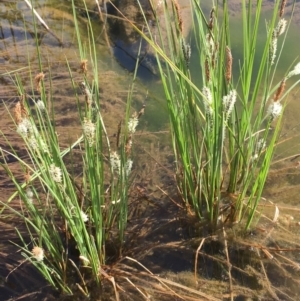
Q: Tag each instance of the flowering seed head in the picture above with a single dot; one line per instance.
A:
(274, 110)
(89, 130)
(228, 103)
(24, 127)
(55, 173)
(43, 146)
(273, 49)
(29, 194)
(208, 105)
(38, 253)
(210, 44)
(128, 167)
(208, 101)
(208, 96)
(260, 146)
(254, 157)
(40, 105)
(115, 162)
(37, 143)
(186, 49)
(280, 28)
(33, 143)
(84, 216)
(88, 94)
(132, 124)
(295, 71)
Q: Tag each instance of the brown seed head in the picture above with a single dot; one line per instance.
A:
(38, 81)
(27, 176)
(214, 56)
(87, 94)
(141, 112)
(207, 71)
(213, 60)
(18, 113)
(279, 90)
(83, 66)
(228, 64)
(179, 19)
(23, 109)
(211, 19)
(128, 145)
(118, 134)
(282, 7)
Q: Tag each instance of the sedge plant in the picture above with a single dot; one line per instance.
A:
(70, 215)
(224, 128)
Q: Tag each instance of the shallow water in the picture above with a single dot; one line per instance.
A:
(167, 250)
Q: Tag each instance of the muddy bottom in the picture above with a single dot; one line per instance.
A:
(185, 261)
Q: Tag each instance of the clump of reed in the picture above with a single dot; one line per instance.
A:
(71, 215)
(224, 128)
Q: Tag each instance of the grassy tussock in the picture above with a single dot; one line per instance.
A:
(224, 128)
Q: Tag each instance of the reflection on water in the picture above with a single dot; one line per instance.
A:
(19, 56)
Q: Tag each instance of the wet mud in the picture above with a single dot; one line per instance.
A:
(160, 234)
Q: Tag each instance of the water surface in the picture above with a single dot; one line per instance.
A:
(154, 160)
